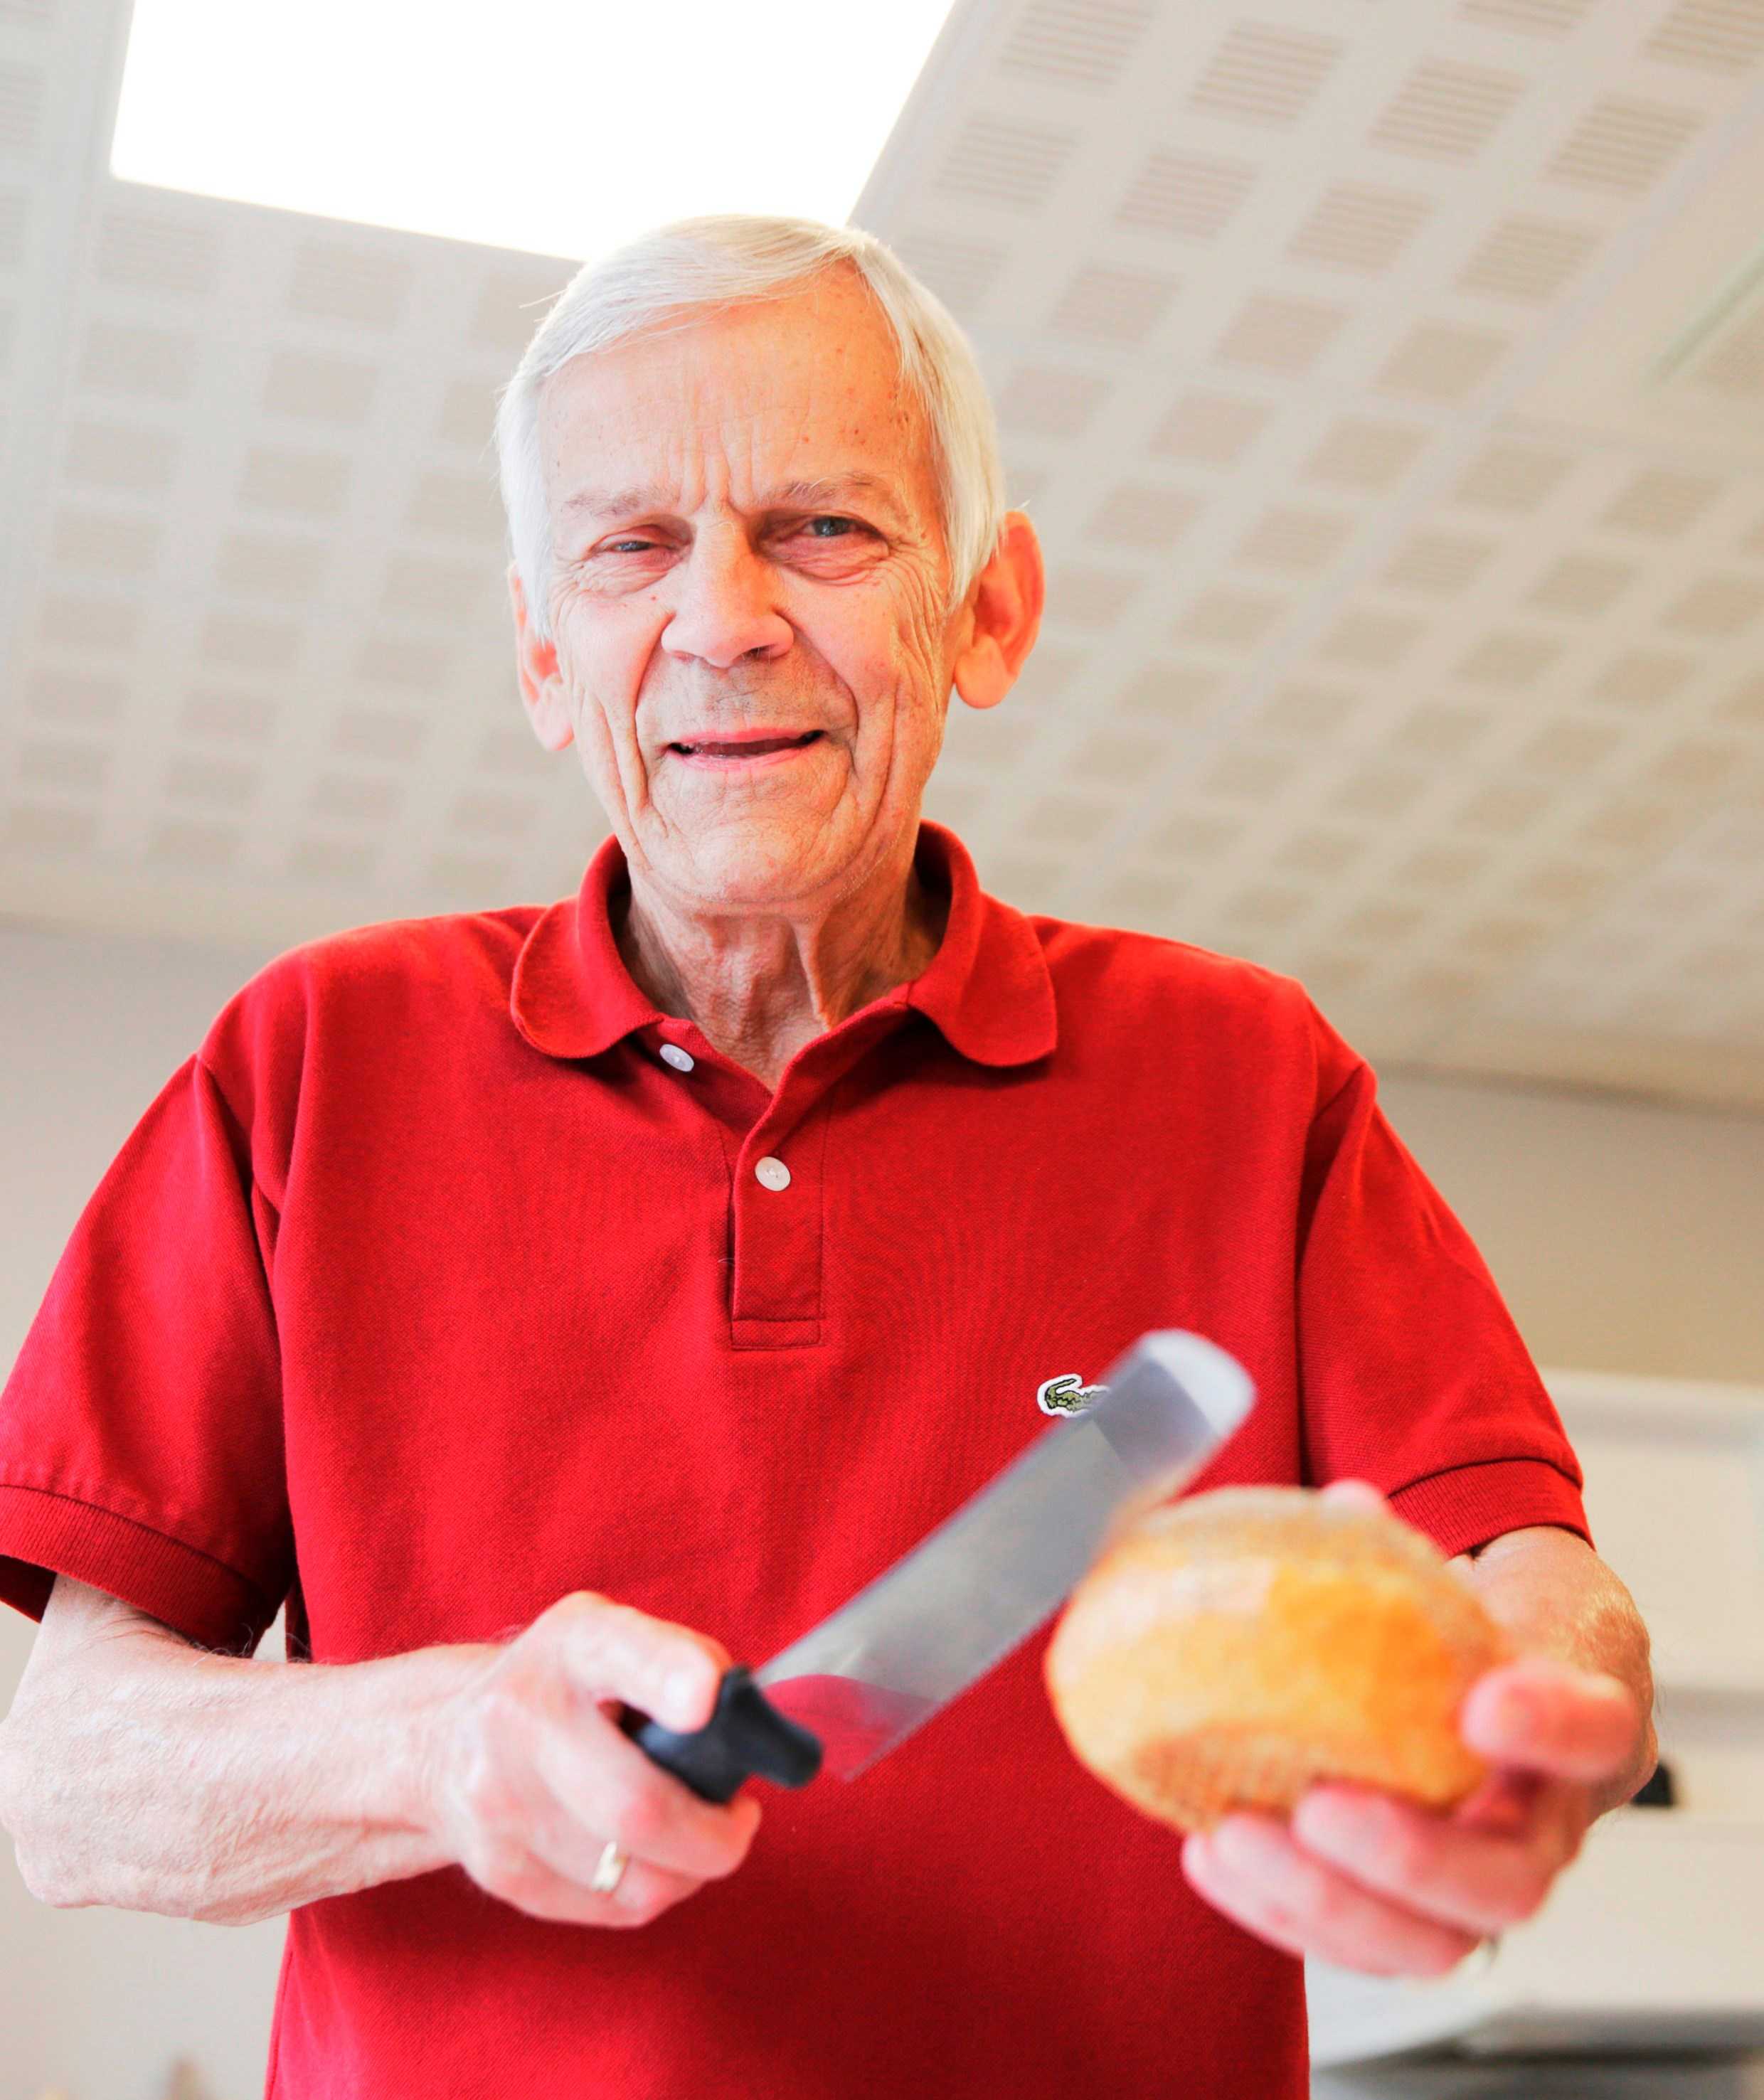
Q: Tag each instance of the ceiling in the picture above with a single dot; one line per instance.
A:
(1385, 377)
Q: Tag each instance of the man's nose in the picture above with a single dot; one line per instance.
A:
(724, 603)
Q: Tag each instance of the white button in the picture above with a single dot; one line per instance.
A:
(681, 1061)
(771, 1173)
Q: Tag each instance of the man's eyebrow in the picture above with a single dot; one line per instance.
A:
(795, 495)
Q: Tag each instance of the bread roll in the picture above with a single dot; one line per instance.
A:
(1226, 1651)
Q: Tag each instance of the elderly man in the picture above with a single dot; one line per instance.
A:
(549, 1304)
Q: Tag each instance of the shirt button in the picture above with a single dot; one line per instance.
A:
(681, 1061)
(771, 1173)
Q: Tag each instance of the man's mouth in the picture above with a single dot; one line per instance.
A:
(762, 746)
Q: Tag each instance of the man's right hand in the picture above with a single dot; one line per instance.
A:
(528, 1774)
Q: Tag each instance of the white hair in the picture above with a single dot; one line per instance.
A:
(722, 260)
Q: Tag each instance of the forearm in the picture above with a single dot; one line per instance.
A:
(1555, 1596)
(205, 1786)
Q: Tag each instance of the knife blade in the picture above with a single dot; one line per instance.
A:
(856, 1685)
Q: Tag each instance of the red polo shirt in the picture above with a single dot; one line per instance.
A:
(441, 1281)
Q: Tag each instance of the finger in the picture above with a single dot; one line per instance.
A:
(1545, 1716)
(532, 1884)
(601, 1785)
(611, 1651)
(1251, 1868)
(1474, 1879)
(1355, 1494)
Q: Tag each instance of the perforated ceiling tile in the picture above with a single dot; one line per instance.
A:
(1571, 746)
(1211, 429)
(1632, 824)
(1641, 681)
(92, 625)
(510, 305)
(1305, 711)
(1081, 44)
(426, 588)
(1112, 305)
(1228, 619)
(15, 217)
(300, 484)
(1260, 74)
(140, 249)
(1299, 541)
(1011, 163)
(319, 390)
(220, 783)
(458, 506)
(1436, 363)
(138, 363)
(1320, 851)
(1355, 227)
(249, 642)
(1744, 705)
(1438, 730)
(1358, 454)
(1189, 196)
(120, 544)
(332, 280)
(273, 565)
(1716, 605)
(1052, 678)
(1169, 694)
(74, 698)
(1049, 402)
(494, 812)
(332, 862)
(1079, 819)
(37, 828)
(1196, 834)
(962, 272)
(403, 659)
(128, 456)
(385, 733)
(1509, 659)
(1659, 500)
(204, 845)
(1733, 366)
(1624, 145)
(1581, 585)
(1137, 514)
(468, 878)
(1372, 640)
(354, 798)
(1089, 597)
(1722, 37)
(1270, 333)
(467, 416)
(1512, 477)
(1442, 866)
(1547, 18)
(1447, 112)
(1695, 764)
(1527, 258)
(68, 768)
(1115, 758)
(1437, 562)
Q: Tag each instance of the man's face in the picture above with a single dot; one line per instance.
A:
(700, 602)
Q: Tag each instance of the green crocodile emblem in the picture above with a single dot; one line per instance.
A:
(1068, 1394)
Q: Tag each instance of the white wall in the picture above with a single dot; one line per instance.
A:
(1624, 1237)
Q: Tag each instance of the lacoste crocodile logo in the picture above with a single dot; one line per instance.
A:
(1068, 1395)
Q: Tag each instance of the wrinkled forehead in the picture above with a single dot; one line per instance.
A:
(803, 387)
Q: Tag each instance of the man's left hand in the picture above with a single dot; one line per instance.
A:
(1369, 1880)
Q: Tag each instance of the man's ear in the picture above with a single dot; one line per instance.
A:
(536, 667)
(1004, 615)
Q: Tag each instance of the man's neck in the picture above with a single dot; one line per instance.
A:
(761, 988)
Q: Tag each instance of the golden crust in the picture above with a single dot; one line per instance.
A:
(1229, 1650)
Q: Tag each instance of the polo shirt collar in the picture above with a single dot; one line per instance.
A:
(987, 989)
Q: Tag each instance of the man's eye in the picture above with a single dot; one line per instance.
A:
(626, 546)
(849, 524)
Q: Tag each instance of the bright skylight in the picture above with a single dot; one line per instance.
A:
(560, 127)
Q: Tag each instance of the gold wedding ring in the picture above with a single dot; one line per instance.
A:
(608, 1868)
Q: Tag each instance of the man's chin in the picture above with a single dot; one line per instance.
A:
(754, 863)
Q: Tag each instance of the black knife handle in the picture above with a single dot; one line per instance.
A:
(746, 1734)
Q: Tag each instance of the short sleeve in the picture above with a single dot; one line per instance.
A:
(1413, 1375)
(140, 1429)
